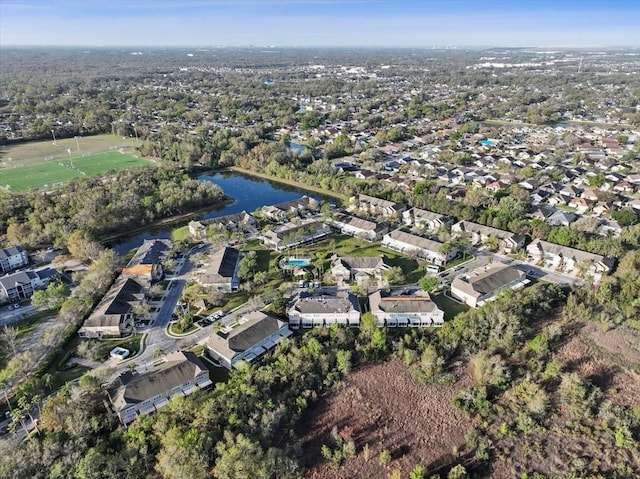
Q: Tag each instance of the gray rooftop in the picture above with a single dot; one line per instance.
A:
(402, 303)
(22, 277)
(222, 264)
(326, 304)
(257, 326)
(5, 253)
(179, 368)
(480, 282)
(415, 240)
(150, 252)
(125, 293)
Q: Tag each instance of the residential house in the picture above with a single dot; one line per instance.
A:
(538, 197)
(496, 186)
(113, 316)
(364, 174)
(18, 286)
(427, 249)
(561, 218)
(609, 228)
(12, 258)
(133, 394)
(481, 285)
(291, 235)
(480, 233)
(372, 206)
(558, 199)
(590, 194)
(541, 212)
(581, 204)
(563, 258)
(298, 207)
(358, 268)
(358, 227)
(601, 209)
(324, 310)
(221, 270)
(255, 334)
(147, 261)
(570, 191)
(238, 222)
(405, 309)
(623, 187)
(425, 220)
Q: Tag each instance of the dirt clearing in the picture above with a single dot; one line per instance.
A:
(383, 407)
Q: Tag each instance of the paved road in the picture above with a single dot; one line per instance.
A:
(483, 257)
(8, 316)
(156, 337)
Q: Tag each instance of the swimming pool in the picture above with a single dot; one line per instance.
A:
(487, 142)
(298, 262)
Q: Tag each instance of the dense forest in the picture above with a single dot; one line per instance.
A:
(102, 206)
(522, 400)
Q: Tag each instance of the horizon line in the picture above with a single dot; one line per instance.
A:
(363, 47)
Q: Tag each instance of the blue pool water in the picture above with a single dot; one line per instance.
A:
(298, 262)
(486, 142)
(297, 147)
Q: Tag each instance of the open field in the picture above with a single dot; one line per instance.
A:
(54, 172)
(36, 151)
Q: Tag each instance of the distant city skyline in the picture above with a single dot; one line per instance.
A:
(320, 23)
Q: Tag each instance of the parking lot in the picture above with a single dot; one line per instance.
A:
(209, 320)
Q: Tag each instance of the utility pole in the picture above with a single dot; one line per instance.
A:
(77, 142)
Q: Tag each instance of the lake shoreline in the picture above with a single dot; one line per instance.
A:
(166, 221)
(237, 198)
(296, 184)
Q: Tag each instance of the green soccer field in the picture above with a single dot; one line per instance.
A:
(55, 172)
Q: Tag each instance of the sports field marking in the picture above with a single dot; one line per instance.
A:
(38, 175)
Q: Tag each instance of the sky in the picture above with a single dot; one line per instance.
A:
(330, 23)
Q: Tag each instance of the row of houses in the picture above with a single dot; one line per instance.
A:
(556, 256)
(180, 373)
(115, 313)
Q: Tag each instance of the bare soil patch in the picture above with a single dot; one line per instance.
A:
(386, 409)
(608, 358)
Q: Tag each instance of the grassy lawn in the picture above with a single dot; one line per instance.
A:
(265, 259)
(460, 260)
(173, 329)
(235, 299)
(216, 373)
(566, 208)
(131, 343)
(60, 378)
(180, 234)
(37, 151)
(345, 245)
(451, 308)
(57, 171)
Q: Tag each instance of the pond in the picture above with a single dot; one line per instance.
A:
(249, 193)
